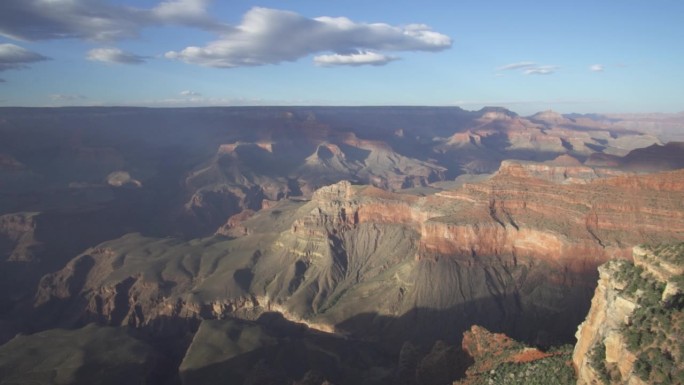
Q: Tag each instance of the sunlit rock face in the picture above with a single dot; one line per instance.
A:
(631, 323)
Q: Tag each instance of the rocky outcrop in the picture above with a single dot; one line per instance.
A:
(497, 359)
(232, 226)
(609, 312)
(17, 237)
(628, 335)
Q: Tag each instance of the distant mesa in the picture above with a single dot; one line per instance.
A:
(550, 117)
(496, 113)
(565, 160)
(655, 158)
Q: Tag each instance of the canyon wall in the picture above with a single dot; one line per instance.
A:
(633, 332)
(515, 252)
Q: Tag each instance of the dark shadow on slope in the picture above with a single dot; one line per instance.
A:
(354, 154)
(532, 325)
(282, 352)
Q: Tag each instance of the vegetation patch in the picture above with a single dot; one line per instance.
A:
(598, 362)
(655, 330)
(553, 369)
(673, 253)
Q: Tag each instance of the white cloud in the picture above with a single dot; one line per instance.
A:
(187, 12)
(530, 68)
(114, 55)
(517, 66)
(270, 36)
(190, 93)
(540, 70)
(96, 19)
(264, 36)
(58, 19)
(597, 68)
(353, 59)
(15, 57)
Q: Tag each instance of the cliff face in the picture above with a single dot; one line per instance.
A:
(581, 225)
(609, 312)
(633, 332)
(515, 250)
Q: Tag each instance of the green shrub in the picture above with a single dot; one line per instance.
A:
(656, 330)
(598, 362)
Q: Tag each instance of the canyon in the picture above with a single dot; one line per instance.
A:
(312, 244)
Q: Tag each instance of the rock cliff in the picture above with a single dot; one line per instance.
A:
(633, 333)
(516, 250)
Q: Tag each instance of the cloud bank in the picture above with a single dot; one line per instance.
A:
(264, 36)
(270, 36)
(114, 56)
(96, 19)
(15, 57)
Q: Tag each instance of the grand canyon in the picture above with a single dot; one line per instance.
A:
(344, 245)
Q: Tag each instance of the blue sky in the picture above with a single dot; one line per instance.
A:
(579, 56)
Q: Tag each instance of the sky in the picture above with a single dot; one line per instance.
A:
(569, 56)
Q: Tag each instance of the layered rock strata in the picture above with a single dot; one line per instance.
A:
(515, 250)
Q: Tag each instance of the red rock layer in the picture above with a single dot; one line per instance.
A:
(574, 226)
